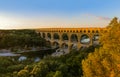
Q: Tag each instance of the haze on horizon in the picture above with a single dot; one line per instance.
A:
(23, 14)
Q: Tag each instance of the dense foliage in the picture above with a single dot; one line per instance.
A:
(20, 39)
(105, 61)
(10, 65)
(64, 66)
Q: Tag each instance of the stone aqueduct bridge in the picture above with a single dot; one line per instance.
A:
(71, 38)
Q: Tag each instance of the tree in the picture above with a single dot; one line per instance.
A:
(50, 74)
(114, 21)
(105, 61)
(40, 70)
(23, 73)
(58, 74)
(20, 39)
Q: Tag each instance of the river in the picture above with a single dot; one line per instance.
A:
(21, 56)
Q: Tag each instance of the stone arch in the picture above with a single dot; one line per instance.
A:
(74, 38)
(65, 36)
(73, 31)
(95, 37)
(55, 44)
(56, 36)
(81, 31)
(77, 31)
(64, 46)
(39, 34)
(97, 31)
(48, 43)
(89, 31)
(43, 35)
(49, 35)
(93, 31)
(84, 31)
(85, 39)
(73, 46)
(65, 31)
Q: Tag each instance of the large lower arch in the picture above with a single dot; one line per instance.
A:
(85, 39)
(74, 38)
(65, 36)
(56, 36)
(73, 46)
(43, 35)
(95, 37)
(48, 43)
(49, 35)
(55, 44)
(39, 34)
(64, 46)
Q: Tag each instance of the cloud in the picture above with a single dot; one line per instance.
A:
(99, 17)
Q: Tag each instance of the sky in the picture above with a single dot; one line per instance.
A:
(23, 14)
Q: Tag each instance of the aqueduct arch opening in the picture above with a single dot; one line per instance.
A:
(65, 37)
(64, 46)
(48, 35)
(73, 46)
(95, 39)
(43, 35)
(56, 44)
(74, 38)
(85, 39)
(56, 36)
(48, 43)
(39, 34)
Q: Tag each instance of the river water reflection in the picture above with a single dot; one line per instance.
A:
(33, 56)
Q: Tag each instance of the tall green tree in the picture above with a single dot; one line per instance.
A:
(105, 61)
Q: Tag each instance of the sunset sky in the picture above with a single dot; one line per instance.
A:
(15, 14)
